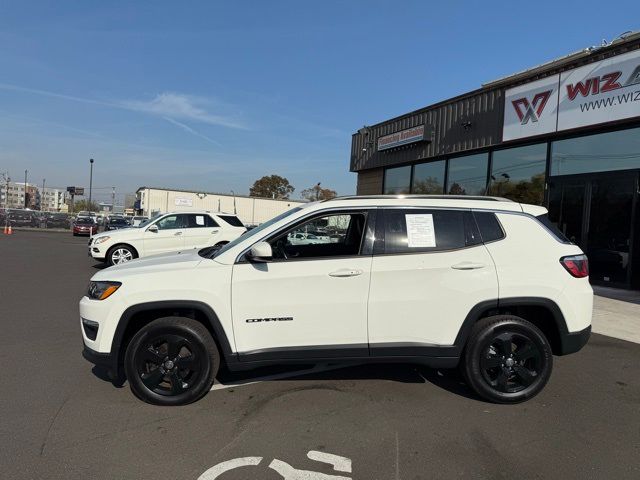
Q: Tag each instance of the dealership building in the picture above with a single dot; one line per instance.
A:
(565, 134)
(152, 201)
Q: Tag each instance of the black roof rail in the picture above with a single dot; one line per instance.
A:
(425, 197)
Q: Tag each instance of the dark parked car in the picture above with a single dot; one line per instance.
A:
(85, 226)
(23, 218)
(117, 223)
(57, 220)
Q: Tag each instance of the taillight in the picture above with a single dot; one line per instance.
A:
(576, 265)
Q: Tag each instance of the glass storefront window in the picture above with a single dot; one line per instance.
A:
(468, 175)
(428, 178)
(397, 180)
(596, 153)
(518, 173)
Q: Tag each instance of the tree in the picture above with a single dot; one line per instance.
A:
(83, 205)
(318, 193)
(272, 186)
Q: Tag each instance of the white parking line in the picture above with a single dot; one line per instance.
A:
(323, 367)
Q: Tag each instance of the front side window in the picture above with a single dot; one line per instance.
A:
(331, 235)
(397, 180)
(426, 230)
(468, 175)
(170, 222)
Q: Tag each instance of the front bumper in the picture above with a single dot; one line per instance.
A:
(105, 360)
(574, 341)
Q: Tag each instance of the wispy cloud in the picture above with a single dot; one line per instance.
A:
(187, 128)
(182, 107)
(175, 108)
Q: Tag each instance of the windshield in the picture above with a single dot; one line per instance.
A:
(213, 252)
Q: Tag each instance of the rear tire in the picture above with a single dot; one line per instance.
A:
(507, 359)
(171, 361)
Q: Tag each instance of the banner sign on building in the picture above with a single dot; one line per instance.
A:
(531, 109)
(183, 202)
(599, 92)
(403, 137)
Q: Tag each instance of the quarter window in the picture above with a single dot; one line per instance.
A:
(421, 230)
(326, 236)
(490, 229)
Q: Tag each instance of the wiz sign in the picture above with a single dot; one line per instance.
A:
(531, 109)
(596, 93)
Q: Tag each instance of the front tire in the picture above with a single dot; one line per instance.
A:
(121, 254)
(171, 361)
(507, 359)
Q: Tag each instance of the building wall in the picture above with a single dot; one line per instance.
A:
(370, 182)
(250, 210)
(464, 124)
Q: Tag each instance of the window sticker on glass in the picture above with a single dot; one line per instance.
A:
(420, 231)
(199, 220)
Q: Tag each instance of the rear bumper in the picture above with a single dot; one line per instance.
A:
(574, 341)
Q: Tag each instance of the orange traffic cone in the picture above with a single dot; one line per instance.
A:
(9, 232)
(6, 230)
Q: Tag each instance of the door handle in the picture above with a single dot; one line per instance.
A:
(177, 233)
(346, 272)
(214, 231)
(468, 266)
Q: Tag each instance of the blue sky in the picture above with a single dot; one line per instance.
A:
(213, 95)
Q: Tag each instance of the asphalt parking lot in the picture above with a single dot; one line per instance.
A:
(60, 419)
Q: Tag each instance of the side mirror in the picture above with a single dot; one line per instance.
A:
(260, 252)
(153, 228)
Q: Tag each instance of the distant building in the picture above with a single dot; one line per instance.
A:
(52, 200)
(152, 201)
(16, 196)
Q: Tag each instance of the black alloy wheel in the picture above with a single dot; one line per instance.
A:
(507, 359)
(171, 361)
(169, 364)
(511, 362)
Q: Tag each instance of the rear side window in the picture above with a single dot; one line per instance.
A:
(553, 228)
(424, 230)
(232, 220)
(199, 221)
(489, 226)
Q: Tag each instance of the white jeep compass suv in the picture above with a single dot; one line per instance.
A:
(477, 282)
(167, 233)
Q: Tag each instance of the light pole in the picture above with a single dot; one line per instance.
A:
(90, 181)
(42, 196)
(318, 191)
(25, 189)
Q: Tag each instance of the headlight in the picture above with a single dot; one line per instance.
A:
(102, 290)
(101, 239)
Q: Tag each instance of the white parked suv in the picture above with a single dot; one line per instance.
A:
(481, 283)
(171, 232)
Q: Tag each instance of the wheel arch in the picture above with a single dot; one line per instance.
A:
(137, 316)
(544, 313)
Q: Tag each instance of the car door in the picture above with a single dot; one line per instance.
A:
(429, 270)
(200, 231)
(310, 301)
(167, 238)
